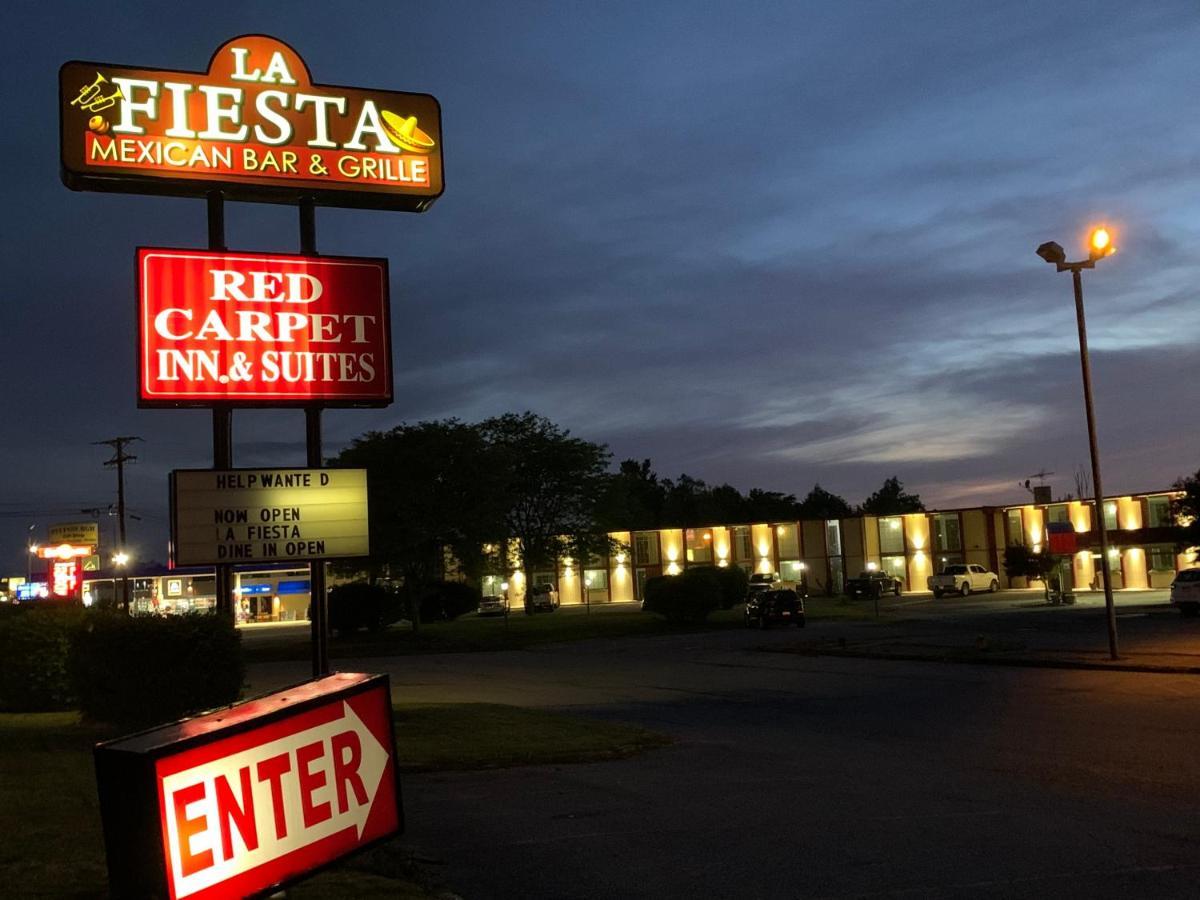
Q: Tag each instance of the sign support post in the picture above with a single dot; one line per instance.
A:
(222, 415)
(319, 599)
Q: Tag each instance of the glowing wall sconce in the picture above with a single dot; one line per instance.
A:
(871, 567)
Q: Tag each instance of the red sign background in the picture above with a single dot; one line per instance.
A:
(256, 329)
(64, 578)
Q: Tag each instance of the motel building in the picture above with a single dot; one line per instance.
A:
(824, 553)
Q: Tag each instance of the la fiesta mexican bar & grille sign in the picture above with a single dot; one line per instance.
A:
(254, 126)
(262, 329)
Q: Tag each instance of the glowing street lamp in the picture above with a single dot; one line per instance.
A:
(120, 558)
(1100, 245)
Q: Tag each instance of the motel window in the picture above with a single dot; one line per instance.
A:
(895, 566)
(699, 545)
(1162, 557)
(645, 549)
(791, 569)
(835, 575)
(1060, 512)
(891, 535)
(1016, 531)
(743, 548)
(788, 540)
(491, 585)
(1110, 516)
(947, 535)
(833, 537)
(596, 579)
(1158, 511)
(545, 578)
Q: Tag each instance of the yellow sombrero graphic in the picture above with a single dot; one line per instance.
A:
(404, 133)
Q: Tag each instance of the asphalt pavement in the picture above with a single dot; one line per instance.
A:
(797, 776)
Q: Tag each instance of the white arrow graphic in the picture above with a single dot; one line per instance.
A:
(230, 815)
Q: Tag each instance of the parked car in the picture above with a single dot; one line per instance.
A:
(873, 584)
(963, 579)
(541, 597)
(1185, 591)
(766, 607)
(493, 606)
(761, 581)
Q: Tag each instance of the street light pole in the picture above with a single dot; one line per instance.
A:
(1094, 448)
(1100, 246)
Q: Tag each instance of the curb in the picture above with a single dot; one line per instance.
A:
(1011, 661)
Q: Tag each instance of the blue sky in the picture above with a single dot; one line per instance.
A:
(768, 244)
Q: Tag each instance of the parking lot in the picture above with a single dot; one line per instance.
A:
(794, 775)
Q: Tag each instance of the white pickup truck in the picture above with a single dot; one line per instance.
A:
(963, 579)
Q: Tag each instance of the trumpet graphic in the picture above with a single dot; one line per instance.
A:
(404, 133)
(92, 97)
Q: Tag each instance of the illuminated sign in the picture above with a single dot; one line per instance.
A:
(254, 126)
(75, 533)
(64, 572)
(64, 579)
(267, 515)
(32, 590)
(174, 587)
(257, 329)
(252, 797)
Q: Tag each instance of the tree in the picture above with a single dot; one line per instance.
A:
(1021, 562)
(429, 491)
(1186, 509)
(633, 498)
(891, 500)
(821, 504)
(549, 485)
(770, 506)
(685, 503)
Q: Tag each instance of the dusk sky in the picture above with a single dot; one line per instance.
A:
(763, 244)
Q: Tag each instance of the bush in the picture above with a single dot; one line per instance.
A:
(447, 600)
(734, 584)
(145, 670)
(35, 646)
(689, 597)
(361, 605)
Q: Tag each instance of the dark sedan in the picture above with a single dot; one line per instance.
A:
(763, 608)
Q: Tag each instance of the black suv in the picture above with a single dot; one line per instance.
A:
(765, 607)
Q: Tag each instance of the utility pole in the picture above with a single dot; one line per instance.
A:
(120, 457)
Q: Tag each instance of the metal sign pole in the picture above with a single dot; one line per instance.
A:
(319, 599)
(222, 415)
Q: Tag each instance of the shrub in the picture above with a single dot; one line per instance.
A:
(34, 648)
(361, 605)
(145, 670)
(447, 600)
(734, 583)
(689, 597)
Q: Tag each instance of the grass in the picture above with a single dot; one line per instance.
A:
(472, 633)
(53, 844)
